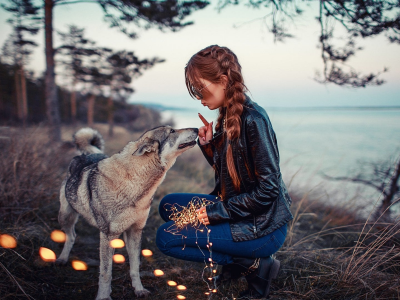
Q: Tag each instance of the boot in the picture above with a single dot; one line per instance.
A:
(229, 272)
(259, 274)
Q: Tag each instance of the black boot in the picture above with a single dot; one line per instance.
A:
(229, 272)
(259, 274)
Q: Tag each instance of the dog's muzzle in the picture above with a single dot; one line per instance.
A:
(184, 145)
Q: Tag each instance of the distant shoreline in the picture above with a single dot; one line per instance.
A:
(161, 107)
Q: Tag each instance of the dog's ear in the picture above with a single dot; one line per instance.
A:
(147, 145)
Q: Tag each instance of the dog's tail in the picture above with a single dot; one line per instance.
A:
(89, 141)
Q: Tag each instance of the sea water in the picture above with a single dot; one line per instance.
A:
(334, 142)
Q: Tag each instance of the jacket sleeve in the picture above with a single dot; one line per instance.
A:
(263, 148)
(208, 152)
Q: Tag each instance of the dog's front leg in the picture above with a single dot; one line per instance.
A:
(106, 254)
(132, 238)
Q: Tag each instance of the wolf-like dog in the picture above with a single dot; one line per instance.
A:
(114, 193)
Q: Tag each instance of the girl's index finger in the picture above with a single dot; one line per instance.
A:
(203, 120)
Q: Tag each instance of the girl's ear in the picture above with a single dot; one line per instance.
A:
(224, 80)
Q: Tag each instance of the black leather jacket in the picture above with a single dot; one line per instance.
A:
(262, 204)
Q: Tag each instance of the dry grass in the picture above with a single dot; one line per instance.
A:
(330, 253)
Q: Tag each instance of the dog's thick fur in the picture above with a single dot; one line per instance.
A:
(114, 193)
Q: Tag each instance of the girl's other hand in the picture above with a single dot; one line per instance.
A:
(202, 216)
(205, 132)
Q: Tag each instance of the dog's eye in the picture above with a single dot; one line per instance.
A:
(172, 131)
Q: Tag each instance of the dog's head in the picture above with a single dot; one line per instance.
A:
(166, 142)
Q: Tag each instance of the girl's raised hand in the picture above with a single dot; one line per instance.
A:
(206, 131)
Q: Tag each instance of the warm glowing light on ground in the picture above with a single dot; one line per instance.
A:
(79, 265)
(172, 283)
(180, 297)
(58, 236)
(117, 243)
(181, 287)
(47, 254)
(158, 273)
(147, 252)
(7, 241)
(119, 258)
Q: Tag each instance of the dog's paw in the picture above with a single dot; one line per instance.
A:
(142, 293)
(61, 262)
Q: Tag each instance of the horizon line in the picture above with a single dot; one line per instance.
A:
(369, 107)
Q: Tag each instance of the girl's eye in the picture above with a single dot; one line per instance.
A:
(172, 131)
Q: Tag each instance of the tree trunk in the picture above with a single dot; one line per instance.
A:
(18, 93)
(73, 106)
(90, 110)
(52, 106)
(24, 97)
(110, 105)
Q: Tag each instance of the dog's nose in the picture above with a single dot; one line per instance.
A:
(196, 130)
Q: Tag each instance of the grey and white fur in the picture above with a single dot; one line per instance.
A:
(114, 193)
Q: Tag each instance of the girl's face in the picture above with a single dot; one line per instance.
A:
(213, 94)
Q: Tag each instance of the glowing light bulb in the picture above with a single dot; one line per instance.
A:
(209, 278)
(7, 241)
(79, 265)
(118, 258)
(147, 252)
(158, 272)
(172, 283)
(180, 297)
(58, 236)
(181, 287)
(214, 291)
(214, 271)
(117, 243)
(47, 255)
(207, 293)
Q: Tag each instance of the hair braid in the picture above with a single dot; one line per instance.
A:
(213, 62)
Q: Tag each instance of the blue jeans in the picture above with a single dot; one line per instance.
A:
(194, 246)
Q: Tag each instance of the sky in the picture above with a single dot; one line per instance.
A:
(277, 74)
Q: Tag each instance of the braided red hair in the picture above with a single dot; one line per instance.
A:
(210, 64)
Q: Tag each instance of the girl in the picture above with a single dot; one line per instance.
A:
(250, 211)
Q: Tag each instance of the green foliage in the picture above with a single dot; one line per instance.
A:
(358, 19)
(146, 14)
(24, 21)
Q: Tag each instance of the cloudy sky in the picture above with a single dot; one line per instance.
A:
(277, 74)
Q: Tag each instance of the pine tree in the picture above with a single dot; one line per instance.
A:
(18, 47)
(76, 49)
(162, 14)
(123, 67)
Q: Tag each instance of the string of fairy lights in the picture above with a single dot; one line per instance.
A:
(183, 216)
